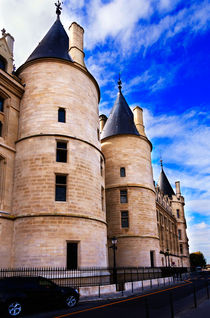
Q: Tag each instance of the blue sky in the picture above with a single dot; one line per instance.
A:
(162, 50)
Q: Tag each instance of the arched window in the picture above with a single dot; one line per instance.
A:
(1, 104)
(61, 115)
(2, 63)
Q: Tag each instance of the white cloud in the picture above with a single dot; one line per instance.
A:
(199, 235)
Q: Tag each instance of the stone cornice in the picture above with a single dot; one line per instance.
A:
(7, 147)
(129, 185)
(137, 236)
(65, 215)
(63, 136)
(11, 84)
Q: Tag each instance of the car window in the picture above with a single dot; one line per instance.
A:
(46, 283)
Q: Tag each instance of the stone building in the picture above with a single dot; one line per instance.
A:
(65, 188)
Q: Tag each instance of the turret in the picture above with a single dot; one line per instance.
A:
(130, 195)
(57, 200)
(177, 204)
(177, 208)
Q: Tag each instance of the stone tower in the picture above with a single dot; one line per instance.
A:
(177, 205)
(178, 211)
(130, 193)
(57, 199)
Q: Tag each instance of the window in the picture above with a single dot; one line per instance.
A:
(1, 129)
(123, 196)
(61, 151)
(102, 198)
(178, 214)
(124, 219)
(181, 248)
(98, 134)
(2, 64)
(61, 115)
(122, 172)
(101, 166)
(179, 234)
(1, 104)
(60, 187)
(71, 259)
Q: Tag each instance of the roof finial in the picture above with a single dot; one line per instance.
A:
(58, 8)
(119, 84)
(3, 31)
(161, 163)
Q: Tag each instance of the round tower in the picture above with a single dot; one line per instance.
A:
(177, 204)
(130, 193)
(58, 189)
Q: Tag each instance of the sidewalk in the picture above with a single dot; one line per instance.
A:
(203, 310)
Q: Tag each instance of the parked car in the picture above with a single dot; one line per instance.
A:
(19, 293)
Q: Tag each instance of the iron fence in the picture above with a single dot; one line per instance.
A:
(94, 276)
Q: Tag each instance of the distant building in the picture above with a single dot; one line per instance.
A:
(65, 188)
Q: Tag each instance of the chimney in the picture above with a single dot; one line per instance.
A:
(178, 191)
(102, 121)
(138, 120)
(10, 42)
(76, 43)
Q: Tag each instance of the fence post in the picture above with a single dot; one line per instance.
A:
(195, 298)
(171, 303)
(146, 306)
(207, 288)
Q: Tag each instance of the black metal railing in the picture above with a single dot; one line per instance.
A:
(94, 276)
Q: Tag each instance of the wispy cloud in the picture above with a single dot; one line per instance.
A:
(198, 236)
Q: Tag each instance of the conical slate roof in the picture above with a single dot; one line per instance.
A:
(55, 44)
(120, 121)
(164, 184)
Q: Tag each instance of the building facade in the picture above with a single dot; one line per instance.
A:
(69, 182)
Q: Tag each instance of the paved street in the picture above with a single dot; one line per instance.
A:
(162, 303)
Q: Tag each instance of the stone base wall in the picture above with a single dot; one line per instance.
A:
(135, 252)
(6, 238)
(42, 241)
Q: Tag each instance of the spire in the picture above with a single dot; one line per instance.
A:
(58, 9)
(55, 44)
(119, 84)
(120, 121)
(163, 182)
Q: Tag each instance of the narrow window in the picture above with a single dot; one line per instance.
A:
(122, 172)
(123, 196)
(157, 215)
(1, 104)
(179, 234)
(98, 134)
(178, 214)
(181, 248)
(2, 64)
(124, 219)
(72, 256)
(61, 151)
(101, 166)
(60, 188)
(61, 115)
(1, 129)
(102, 198)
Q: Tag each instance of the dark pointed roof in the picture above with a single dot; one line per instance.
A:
(164, 184)
(55, 44)
(120, 121)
